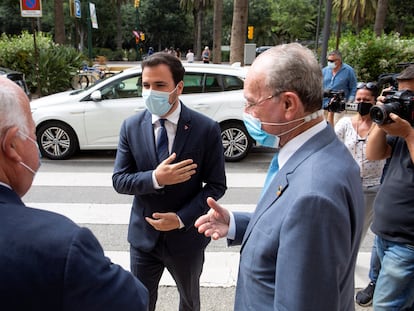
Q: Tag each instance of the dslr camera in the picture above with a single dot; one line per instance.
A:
(338, 102)
(401, 103)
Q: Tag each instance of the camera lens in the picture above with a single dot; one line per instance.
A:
(378, 114)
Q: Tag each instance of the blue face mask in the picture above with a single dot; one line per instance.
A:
(157, 102)
(254, 127)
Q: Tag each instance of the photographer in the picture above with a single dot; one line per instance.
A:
(394, 207)
(354, 133)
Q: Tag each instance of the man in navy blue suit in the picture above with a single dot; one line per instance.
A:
(47, 262)
(171, 159)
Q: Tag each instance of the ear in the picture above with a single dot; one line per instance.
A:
(11, 145)
(293, 105)
(180, 87)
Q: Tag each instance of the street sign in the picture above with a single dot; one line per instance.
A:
(77, 9)
(31, 8)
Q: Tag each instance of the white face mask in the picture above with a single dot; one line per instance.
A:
(254, 127)
(331, 65)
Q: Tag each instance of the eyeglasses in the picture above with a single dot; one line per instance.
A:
(368, 86)
(248, 104)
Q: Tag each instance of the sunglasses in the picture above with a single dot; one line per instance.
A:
(369, 86)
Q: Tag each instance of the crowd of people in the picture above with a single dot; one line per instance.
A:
(330, 180)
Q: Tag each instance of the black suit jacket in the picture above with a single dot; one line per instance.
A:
(47, 262)
(198, 138)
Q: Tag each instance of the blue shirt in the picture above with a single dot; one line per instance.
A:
(345, 79)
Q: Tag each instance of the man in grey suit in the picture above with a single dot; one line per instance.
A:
(299, 247)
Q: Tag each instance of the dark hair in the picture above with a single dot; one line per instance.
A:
(175, 65)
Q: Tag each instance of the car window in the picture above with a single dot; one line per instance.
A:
(212, 83)
(231, 83)
(193, 83)
(124, 88)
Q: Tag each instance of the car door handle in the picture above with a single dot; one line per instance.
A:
(201, 106)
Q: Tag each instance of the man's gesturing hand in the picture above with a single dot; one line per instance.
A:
(170, 174)
(215, 223)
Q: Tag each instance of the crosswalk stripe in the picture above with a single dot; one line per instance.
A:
(113, 214)
(220, 268)
(87, 179)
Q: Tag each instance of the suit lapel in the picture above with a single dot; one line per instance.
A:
(280, 182)
(147, 129)
(183, 130)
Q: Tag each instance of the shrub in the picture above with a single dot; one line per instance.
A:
(57, 64)
(371, 56)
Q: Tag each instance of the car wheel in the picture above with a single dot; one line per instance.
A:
(57, 141)
(236, 141)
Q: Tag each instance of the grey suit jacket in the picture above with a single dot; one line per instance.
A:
(299, 247)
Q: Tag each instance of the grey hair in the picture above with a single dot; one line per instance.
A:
(295, 68)
(336, 53)
(11, 111)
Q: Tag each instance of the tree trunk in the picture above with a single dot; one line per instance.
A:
(238, 31)
(200, 19)
(380, 16)
(59, 22)
(118, 38)
(217, 27)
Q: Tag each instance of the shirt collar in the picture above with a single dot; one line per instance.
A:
(173, 117)
(294, 144)
(5, 185)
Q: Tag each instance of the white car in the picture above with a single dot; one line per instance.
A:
(90, 119)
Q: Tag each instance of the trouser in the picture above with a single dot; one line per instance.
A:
(184, 268)
(395, 284)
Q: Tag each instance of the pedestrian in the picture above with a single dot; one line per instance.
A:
(393, 221)
(190, 56)
(47, 261)
(170, 189)
(354, 133)
(338, 76)
(206, 55)
(150, 51)
(294, 254)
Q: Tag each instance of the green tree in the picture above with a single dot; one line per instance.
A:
(60, 37)
(358, 13)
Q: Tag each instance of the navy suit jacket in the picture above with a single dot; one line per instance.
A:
(299, 247)
(197, 138)
(47, 262)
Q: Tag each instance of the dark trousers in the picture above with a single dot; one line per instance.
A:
(184, 268)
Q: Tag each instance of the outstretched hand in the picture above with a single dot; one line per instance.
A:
(215, 223)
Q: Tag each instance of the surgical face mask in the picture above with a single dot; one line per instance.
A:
(157, 102)
(363, 108)
(331, 65)
(37, 146)
(254, 127)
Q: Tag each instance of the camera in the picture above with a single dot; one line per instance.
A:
(401, 103)
(338, 102)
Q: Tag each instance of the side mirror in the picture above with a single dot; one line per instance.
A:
(96, 96)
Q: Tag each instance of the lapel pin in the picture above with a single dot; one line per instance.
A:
(279, 191)
(186, 127)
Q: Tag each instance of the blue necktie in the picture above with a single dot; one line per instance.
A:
(162, 142)
(273, 169)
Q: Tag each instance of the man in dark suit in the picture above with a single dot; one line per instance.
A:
(299, 247)
(171, 159)
(47, 262)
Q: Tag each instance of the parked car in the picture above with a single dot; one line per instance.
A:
(261, 49)
(17, 77)
(90, 119)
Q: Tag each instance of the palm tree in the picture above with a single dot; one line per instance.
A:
(380, 17)
(358, 12)
(118, 37)
(217, 28)
(238, 31)
(59, 24)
